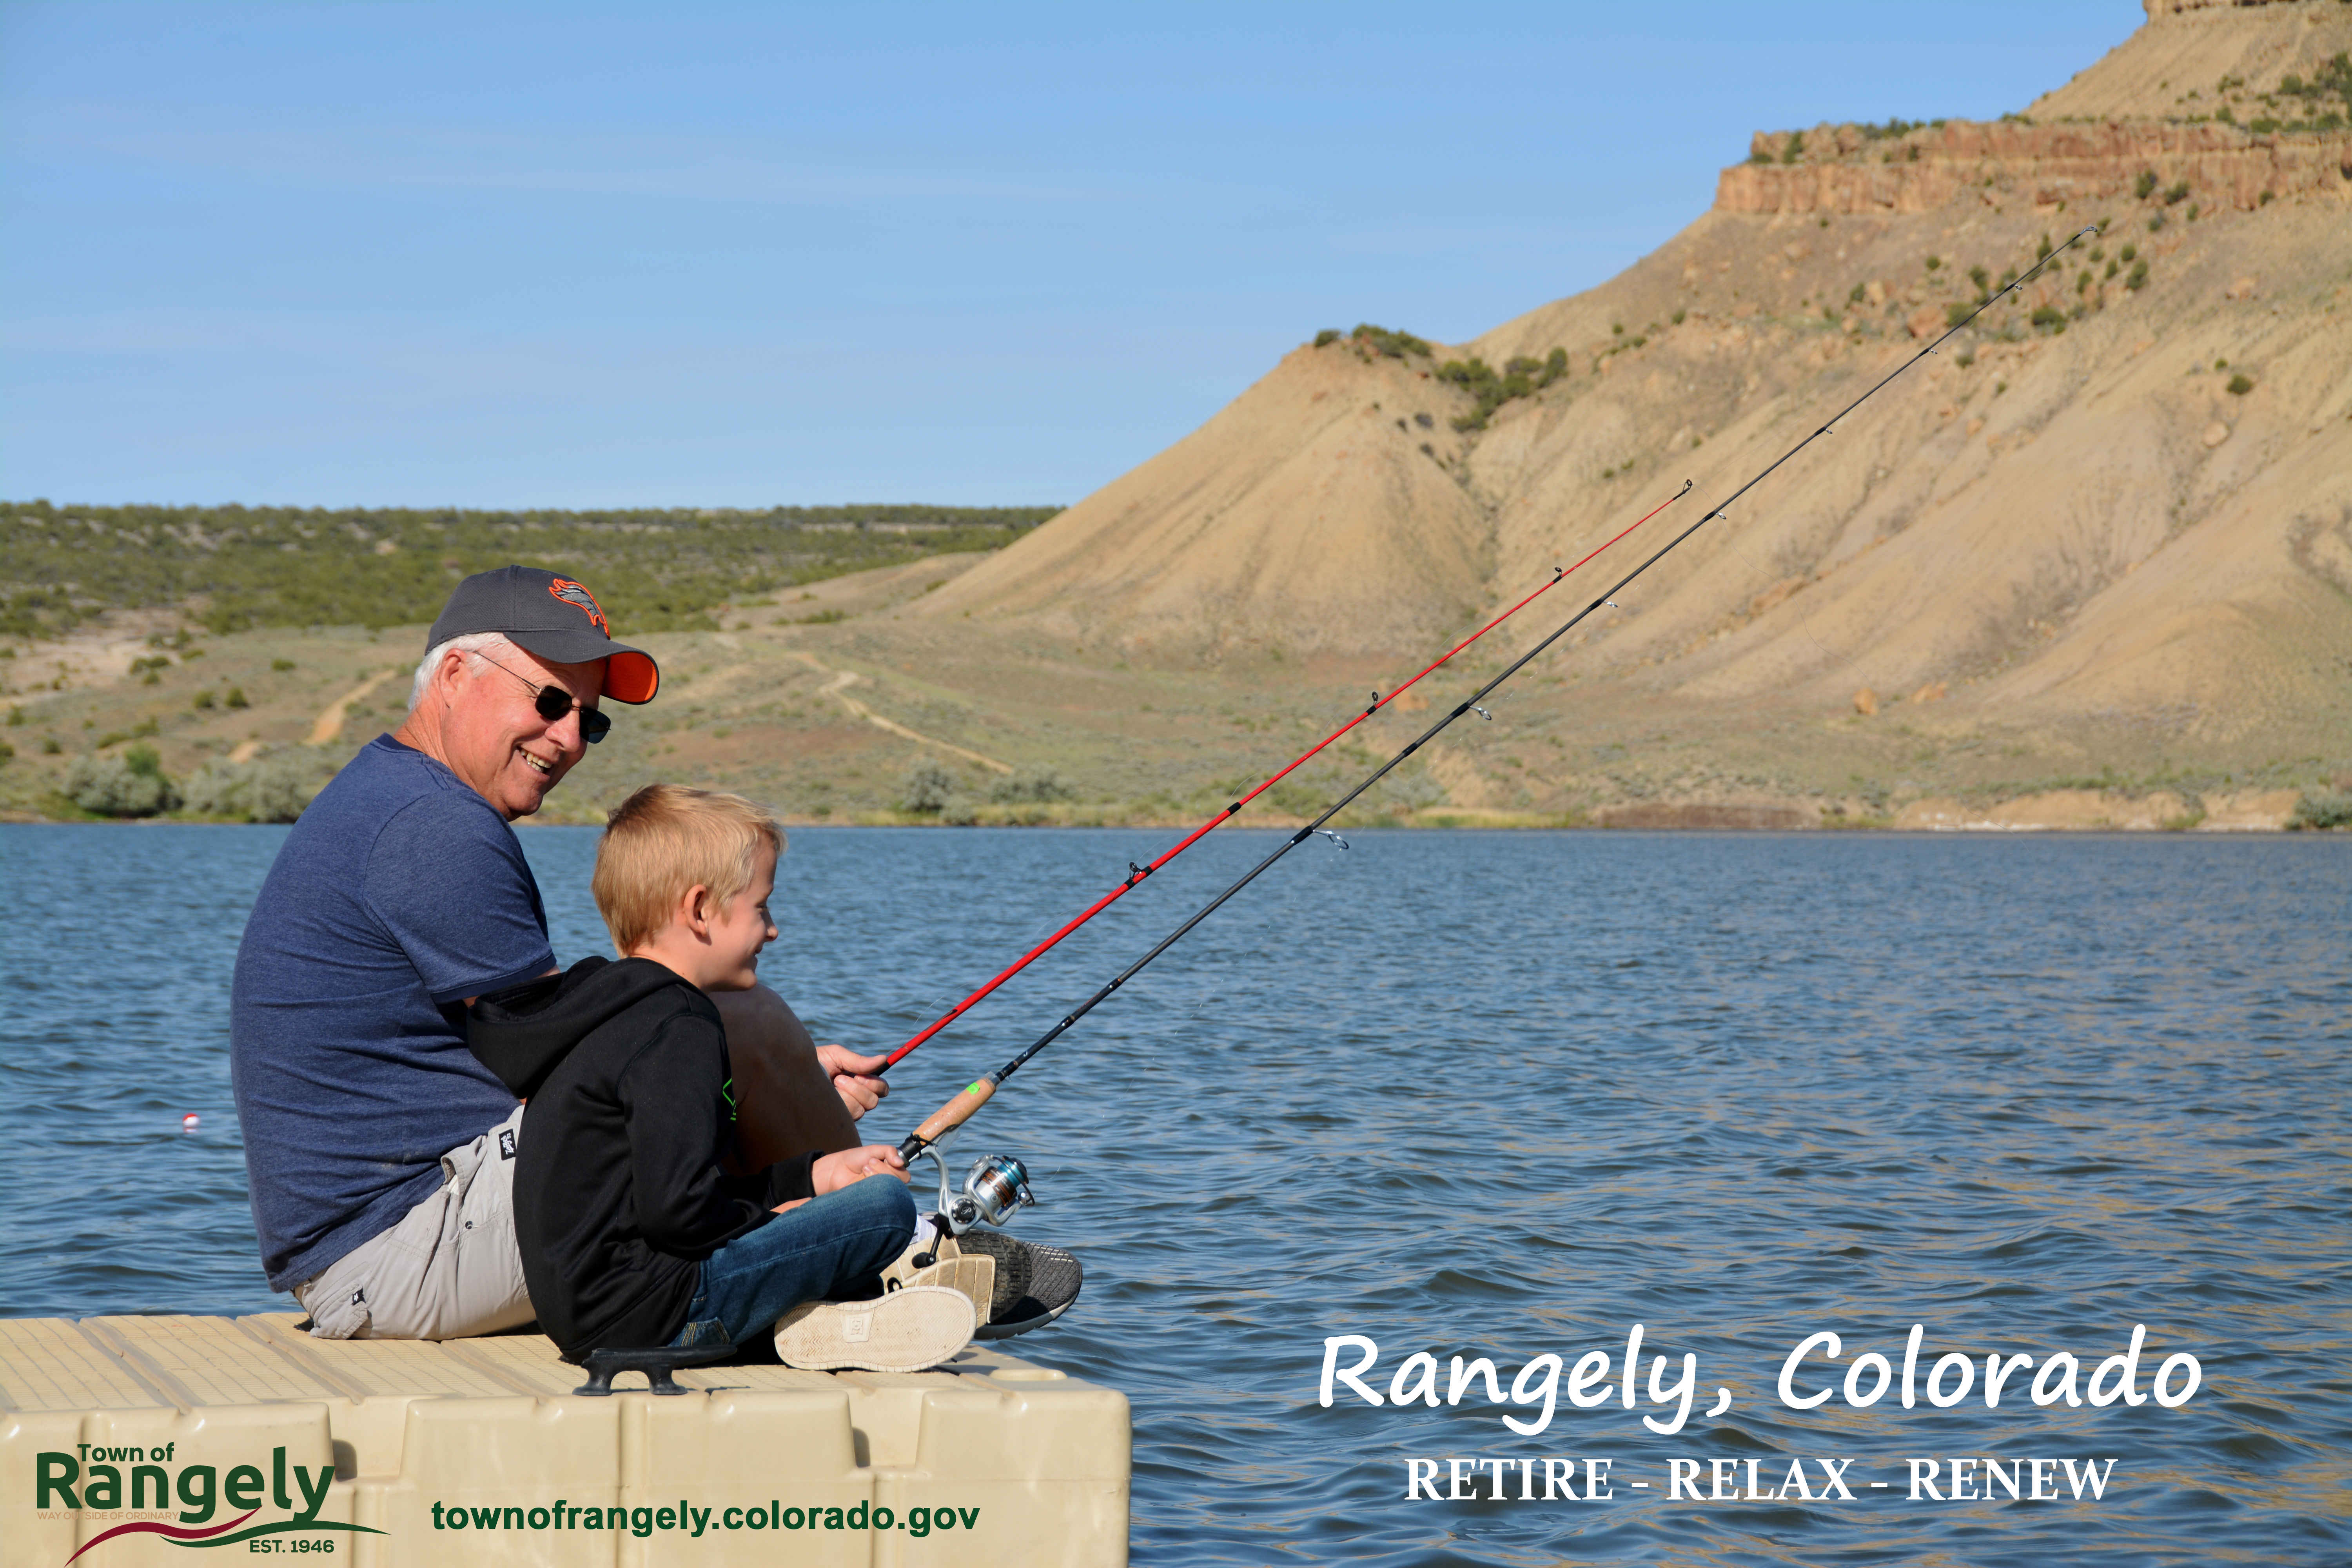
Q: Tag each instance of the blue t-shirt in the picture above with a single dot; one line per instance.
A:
(399, 893)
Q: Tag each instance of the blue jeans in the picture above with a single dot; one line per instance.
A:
(832, 1249)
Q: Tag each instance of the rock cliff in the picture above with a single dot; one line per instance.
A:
(1842, 169)
(2233, 104)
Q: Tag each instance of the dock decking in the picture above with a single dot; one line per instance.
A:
(247, 1435)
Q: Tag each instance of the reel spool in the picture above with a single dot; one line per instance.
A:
(994, 1189)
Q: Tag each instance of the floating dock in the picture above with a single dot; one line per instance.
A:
(129, 1441)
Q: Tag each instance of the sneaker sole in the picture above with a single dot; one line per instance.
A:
(907, 1330)
(973, 1277)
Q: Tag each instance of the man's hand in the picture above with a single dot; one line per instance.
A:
(831, 1173)
(852, 1079)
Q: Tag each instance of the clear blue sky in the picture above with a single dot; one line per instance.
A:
(679, 254)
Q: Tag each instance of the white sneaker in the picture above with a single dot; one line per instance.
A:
(908, 1330)
(974, 1274)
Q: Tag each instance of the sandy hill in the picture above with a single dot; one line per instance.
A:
(2173, 67)
(2122, 496)
(1319, 511)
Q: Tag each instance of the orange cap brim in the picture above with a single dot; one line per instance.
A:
(630, 678)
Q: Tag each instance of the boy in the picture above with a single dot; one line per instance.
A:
(630, 1233)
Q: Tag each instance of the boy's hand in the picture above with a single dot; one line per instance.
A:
(852, 1079)
(831, 1173)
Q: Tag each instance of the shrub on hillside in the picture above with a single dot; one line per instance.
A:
(2326, 810)
(275, 788)
(281, 790)
(1033, 784)
(216, 789)
(927, 789)
(132, 784)
(1392, 345)
(1520, 377)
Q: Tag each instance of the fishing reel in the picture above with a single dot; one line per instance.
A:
(994, 1190)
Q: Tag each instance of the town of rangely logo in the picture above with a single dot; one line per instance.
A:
(94, 1478)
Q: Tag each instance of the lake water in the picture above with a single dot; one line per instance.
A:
(1486, 1095)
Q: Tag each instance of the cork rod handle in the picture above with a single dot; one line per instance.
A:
(950, 1116)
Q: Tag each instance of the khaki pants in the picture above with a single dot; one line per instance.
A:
(451, 1269)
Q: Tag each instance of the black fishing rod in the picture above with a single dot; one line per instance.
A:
(959, 1108)
(1135, 874)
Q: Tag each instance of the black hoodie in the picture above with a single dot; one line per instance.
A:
(618, 1193)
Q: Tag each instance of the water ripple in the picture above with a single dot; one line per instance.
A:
(1478, 1095)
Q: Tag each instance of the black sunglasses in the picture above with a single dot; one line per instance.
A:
(553, 702)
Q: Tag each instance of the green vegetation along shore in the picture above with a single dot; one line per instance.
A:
(234, 568)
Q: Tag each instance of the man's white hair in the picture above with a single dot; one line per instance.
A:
(475, 643)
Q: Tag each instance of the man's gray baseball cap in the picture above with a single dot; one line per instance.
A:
(555, 619)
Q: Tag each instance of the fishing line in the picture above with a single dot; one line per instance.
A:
(1031, 933)
(1135, 874)
(956, 1111)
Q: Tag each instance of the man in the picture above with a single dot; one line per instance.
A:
(380, 1150)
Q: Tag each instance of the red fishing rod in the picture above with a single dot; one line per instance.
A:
(959, 1108)
(1136, 873)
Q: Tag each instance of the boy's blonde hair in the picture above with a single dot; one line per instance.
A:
(665, 840)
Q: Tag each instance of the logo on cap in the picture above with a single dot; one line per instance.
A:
(572, 593)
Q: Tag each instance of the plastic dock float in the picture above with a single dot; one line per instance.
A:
(129, 1441)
